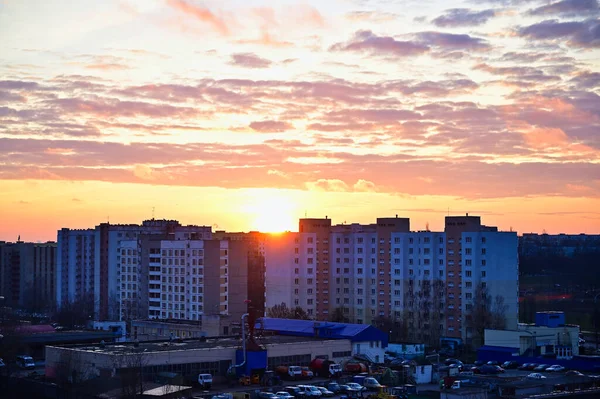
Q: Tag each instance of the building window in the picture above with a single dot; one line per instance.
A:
(483, 273)
(469, 239)
(483, 251)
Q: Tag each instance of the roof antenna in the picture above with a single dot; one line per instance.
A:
(305, 214)
(152, 213)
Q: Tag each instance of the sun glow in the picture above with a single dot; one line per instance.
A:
(272, 211)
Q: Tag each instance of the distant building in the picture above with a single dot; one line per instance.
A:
(562, 244)
(549, 337)
(27, 275)
(385, 271)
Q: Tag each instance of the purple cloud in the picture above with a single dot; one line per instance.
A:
(568, 7)
(578, 33)
(249, 60)
(451, 41)
(365, 41)
(463, 17)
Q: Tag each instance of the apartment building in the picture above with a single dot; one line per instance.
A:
(360, 273)
(89, 261)
(27, 275)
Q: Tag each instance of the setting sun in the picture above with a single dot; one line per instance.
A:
(272, 211)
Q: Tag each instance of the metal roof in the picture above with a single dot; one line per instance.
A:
(323, 329)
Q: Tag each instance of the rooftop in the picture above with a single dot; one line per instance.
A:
(188, 344)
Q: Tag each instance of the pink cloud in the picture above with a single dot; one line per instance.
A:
(202, 14)
(271, 126)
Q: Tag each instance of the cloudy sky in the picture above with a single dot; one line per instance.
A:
(247, 114)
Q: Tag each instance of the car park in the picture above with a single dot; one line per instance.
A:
(555, 368)
(573, 372)
(371, 383)
(284, 395)
(510, 364)
(541, 367)
(325, 392)
(536, 376)
(493, 363)
(267, 395)
(479, 363)
(487, 369)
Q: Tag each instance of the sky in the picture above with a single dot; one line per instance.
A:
(249, 114)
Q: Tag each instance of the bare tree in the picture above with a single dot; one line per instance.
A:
(424, 310)
(280, 311)
(338, 316)
(130, 368)
(71, 372)
(485, 314)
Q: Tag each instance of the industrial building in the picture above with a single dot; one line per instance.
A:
(548, 336)
(366, 340)
(191, 357)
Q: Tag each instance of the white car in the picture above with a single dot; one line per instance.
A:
(555, 367)
(284, 395)
(536, 376)
(355, 386)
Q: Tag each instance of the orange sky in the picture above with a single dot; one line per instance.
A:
(249, 115)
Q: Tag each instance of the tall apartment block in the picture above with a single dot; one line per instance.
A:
(364, 272)
(89, 260)
(27, 275)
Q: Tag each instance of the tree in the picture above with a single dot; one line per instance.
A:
(338, 316)
(131, 372)
(299, 313)
(424, 304)
(279, 311)
(485, 313)
(75, 313)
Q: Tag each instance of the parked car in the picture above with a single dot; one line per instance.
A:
(487, 369)
(524, 366)
(532, 366)
(536, 376)
(25, 362)
(371, 383)
(294, 391)
(356, 386)
(267, 395)
(2, 363)
(284, 395)
(344, 388)
(541, 367)
(310, 391)
(205, 381)
(333, 387)
(573, 372)
(479, 363)
(493, 363)
(325, 392)
(555, 368)
(510, 364)
(456, 363)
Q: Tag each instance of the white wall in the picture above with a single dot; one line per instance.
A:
(372, 349)
(423, 374)
(279, 269)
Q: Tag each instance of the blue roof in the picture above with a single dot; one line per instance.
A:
(323, 329)
(505, 349)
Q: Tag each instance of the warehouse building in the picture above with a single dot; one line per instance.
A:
(366, 340)
(189, 357)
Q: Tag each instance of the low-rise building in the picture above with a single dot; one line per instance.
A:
(187, 358)
(366, 339)
(549, 336)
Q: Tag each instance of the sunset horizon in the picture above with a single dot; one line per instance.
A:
(249, 115)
